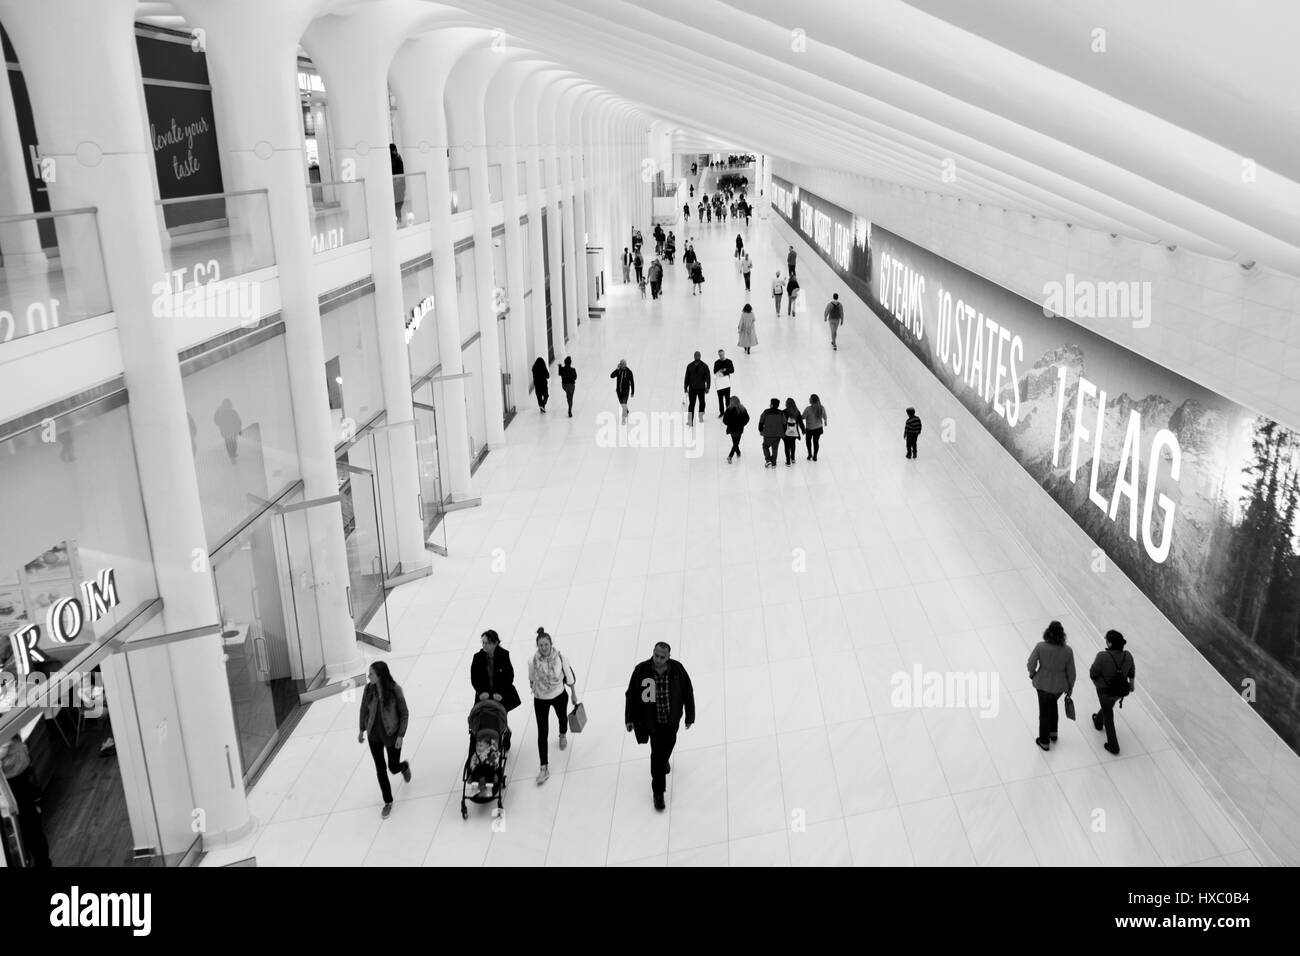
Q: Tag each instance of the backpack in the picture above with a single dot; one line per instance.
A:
(837, 311)
(1117, 685)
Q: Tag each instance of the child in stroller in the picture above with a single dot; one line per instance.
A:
(484, 776)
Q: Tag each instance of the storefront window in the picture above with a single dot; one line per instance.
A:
(352, 373)
(71, 511)
(421, 319)
(241, 428)
(467, 292)
(474, 407)
(461, 200)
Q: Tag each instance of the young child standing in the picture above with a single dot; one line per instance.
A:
(911, 430)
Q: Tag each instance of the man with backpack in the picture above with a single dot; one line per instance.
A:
(834, 314)
(1113, 673)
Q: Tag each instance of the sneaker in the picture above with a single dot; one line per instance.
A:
(1052, 737)
(387, 811)
(659, 801)
(406, 772)
(487, 789)
(543, 776)
(564, 742)
(472, 789)
(1043, 744)
(1096, 721)
(1112, 750)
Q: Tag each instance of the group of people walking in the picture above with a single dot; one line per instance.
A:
(1051, 670)
(659, 695)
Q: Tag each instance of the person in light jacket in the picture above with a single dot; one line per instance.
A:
(384, 717)
(1113, 673)
(548, 677)
(1051, 668)
(748, 337)
(814, 422)
(658, 695)
(778, 290)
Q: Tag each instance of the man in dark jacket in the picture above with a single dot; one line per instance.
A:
(638, 263)
(657, 696)
(790, 261)
(696, 386)
(723, 369)
(627, 265)
(771, 425)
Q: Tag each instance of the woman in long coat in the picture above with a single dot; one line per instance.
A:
(748, 337)
(541, 382)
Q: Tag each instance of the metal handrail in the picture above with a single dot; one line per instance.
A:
(339, 182)
(181, 199)
(31, 216)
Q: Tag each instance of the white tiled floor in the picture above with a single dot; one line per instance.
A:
(798, 756)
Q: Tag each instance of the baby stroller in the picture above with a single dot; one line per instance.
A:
(484, 777)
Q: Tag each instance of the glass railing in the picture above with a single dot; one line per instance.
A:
(338, 214)
(461, 200)
(410, 199)
(494, 183)
(51, 272)
(207, 239)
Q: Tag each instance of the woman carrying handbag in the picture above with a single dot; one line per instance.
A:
(549, 676)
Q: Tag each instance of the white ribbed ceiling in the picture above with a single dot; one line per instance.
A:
(1186, 129)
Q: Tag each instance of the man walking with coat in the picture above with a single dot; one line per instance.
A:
(658, 695)
(696, 386)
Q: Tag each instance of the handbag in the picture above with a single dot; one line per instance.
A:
(577, 716)
(1069, 707)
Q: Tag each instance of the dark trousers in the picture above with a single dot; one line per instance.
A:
(724, 394)
(1108, 718)
(778, 303)
(656, 287)
(395, 765)
(640, 274)
(789, 304)
(1049, 715)
(542, 711)
(663, 738)
(911, 445)
(746, 275)
(542, 397)
(813, 439)
(35, 849)
(735, 445)
(791, 441)
(693, 396)
(568, 394)
(769, 449)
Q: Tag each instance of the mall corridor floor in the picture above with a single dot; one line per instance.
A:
(793, 597)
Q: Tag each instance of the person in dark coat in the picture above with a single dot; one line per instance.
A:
(399, 185)
(655, 275)
(771, 425)
(734, 419)
(791, 287)
(1051, 668)
(1113, 673)
(624, 384)
(541, 384)
(790, 259)
(384, 716)
(627, 265)
(568, 377)
(697, 278)
(491, 673)
(696, 386)
(911, 432)
(658, 695)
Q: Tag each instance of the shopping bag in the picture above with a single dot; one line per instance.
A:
(578, 718)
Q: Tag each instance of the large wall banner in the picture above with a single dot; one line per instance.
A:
(1196, 498)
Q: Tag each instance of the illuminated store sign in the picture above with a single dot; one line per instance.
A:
(65, 620)
(416, 316)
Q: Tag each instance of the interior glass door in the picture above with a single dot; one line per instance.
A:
(432, 496)
(364, 539)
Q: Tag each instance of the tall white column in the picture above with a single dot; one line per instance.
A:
(419, 77)
(255, 100)
(578, 186)
(546, 128)
(353, 54)
(466, 101)
(179, 719)
(503, 150)
(526, 130)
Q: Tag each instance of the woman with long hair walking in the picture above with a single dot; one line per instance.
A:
(384, 717)
(549, 676)
(814, 422)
